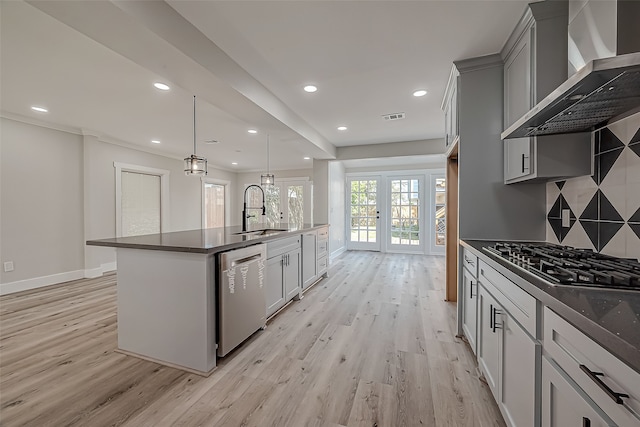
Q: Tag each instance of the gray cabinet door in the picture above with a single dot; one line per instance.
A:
(519, 84)
(274, 286)
(518, 373)
(562, 403)
(470, 308)
(518, 158)
(309, 258)
(489, 341)
(292, 274)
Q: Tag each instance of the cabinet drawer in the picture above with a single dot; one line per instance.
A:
(281, 246)
(322, 248)
(323, 234)
(470, 261)
(323, 264)
(520, 305)
(580, 357)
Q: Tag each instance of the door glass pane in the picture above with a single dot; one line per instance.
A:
(140, 203)
(254, 205)
(272, 196)
(364, 211)
(214, 205)
(440, 201)
(296, 204)
(404, 214)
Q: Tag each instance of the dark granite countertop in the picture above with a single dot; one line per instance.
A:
(206, 240)
(609, 317)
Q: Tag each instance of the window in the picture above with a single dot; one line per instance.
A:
(215, 203)
(142, 200)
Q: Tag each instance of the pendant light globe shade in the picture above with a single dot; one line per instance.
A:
(194, 165)
(267, 179)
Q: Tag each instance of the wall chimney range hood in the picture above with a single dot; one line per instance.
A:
(603, 89)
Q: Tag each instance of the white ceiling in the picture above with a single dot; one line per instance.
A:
(96, 72)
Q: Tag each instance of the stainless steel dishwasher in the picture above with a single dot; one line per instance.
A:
(241, 302)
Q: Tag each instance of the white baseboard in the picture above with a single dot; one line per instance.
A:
(335, 254)
(54, 279)
(97, 272)
(39, 282)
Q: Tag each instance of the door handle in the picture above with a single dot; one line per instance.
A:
(494, 324)
(523, 163)
(470, 289)
(616, 397)
(586, 422)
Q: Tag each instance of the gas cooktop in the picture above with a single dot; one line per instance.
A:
(564, 265)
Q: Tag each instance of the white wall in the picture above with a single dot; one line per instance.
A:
(337, 212)
(41, 201)
(74, 177)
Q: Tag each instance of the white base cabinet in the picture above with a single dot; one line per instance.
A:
(283, 273)
(508, 354)
(564, 404)
(593, 370)
(309, 258)
(470, 308)
(577, 382)
(314, 256)
(469, 291)
(507, 358)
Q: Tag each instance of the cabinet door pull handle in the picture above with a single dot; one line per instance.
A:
(470, 289)
(490, 316)
(494, 324)
(616, 397)
(586, 422)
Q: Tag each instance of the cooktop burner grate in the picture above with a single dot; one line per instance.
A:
(565, 265)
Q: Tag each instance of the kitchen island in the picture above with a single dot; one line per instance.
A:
(166, 293)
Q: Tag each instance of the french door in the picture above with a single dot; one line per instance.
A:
(364, 213)
(405, 214)
(285, 202)
(396, 212)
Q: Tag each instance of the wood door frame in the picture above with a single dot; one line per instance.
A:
(451, 232)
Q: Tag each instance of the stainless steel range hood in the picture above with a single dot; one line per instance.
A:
(603, 89)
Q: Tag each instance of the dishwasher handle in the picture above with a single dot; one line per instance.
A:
(246, 260)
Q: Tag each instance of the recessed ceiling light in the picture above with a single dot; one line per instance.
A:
(161, 86)
(342, 128)
(155, 141)
(307, 158)
(39, 109)
(252, 131)
(234, 163)
(420, 92)
(310, 88)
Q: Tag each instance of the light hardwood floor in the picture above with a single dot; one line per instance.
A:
(373, 345)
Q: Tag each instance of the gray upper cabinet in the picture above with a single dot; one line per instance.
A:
(450, 108)
(535, 63)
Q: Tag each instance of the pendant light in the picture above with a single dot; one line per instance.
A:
(267, 178)
(194, 165)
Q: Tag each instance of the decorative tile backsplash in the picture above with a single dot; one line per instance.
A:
(603, 209)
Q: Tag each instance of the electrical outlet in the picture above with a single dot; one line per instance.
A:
(8, 266)
(566, 220)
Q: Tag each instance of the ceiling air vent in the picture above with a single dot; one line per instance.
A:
(393, 116)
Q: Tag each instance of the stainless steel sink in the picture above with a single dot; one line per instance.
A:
(262, 232)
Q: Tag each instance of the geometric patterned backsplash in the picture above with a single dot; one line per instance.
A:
(604, 209)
